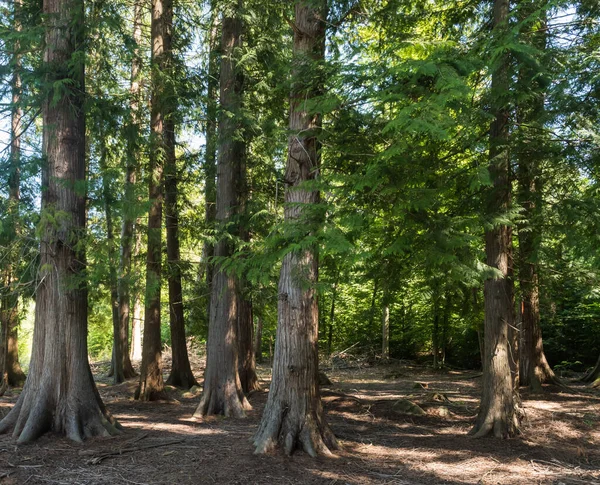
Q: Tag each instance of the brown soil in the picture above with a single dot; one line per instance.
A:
(162, 444)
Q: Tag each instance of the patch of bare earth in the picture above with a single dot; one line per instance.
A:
(162, 444)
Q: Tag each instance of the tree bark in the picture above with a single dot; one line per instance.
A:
(129, 201)
(331, 325)
(498, 410)
(385, 326)
(181, 370)
(118, 349)
(258, 355)
(210, 159)
(151, 385)
(245, 324)
(222, 393)
(534, 368)
(11, 372)
(247, 359)
(294, 415)
(137, 317)
(435, 332)
(593, 374)
(60, 394)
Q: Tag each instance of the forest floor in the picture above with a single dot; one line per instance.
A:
(162, 444)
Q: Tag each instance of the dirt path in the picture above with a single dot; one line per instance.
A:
(163, 445)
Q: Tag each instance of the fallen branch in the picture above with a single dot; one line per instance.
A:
(100, 458)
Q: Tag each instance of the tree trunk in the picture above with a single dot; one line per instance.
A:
(181, 370)
(445, 324)
(118, 350)
(60, 394)
(247, 360)
(258, 355)
(137, 318)
(151, 385)
(385, 326)
(222, 393)
(331, 317)
(210, 158)
(245, 325)
(10, 369)
(498, 409)
(435, 332)
(130, 203)
(535, 370)
(593, 374)
(294, 414)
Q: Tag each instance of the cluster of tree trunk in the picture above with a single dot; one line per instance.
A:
(60, 395)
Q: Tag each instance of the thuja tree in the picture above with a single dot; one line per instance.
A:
(60, 394)
(151, 384)
(181, 371)
(498, 413)
(222, 393)
(531, 149)
(294, 416)
(10, 369)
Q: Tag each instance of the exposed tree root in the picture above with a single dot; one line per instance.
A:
(77, 416)
(224, 400)
(149, 393)
(309, 433)
(593, 374)
(501, 423)
(249, 380)
(183, 380)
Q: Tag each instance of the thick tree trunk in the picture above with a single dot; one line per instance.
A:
(129, 205)
(222, 393)
(181, 370)
(294, 415)
(151, 385)
(210, 157)
(534, 368)
(60, 394)
(498, 410)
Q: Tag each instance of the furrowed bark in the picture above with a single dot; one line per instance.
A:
(10, 369)
(151, 385)
(210, 159)
(294, 417)
(129, 208)
(498, 413)
(59, 394)
(181, 370)
(223, 393)
(535, 370)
